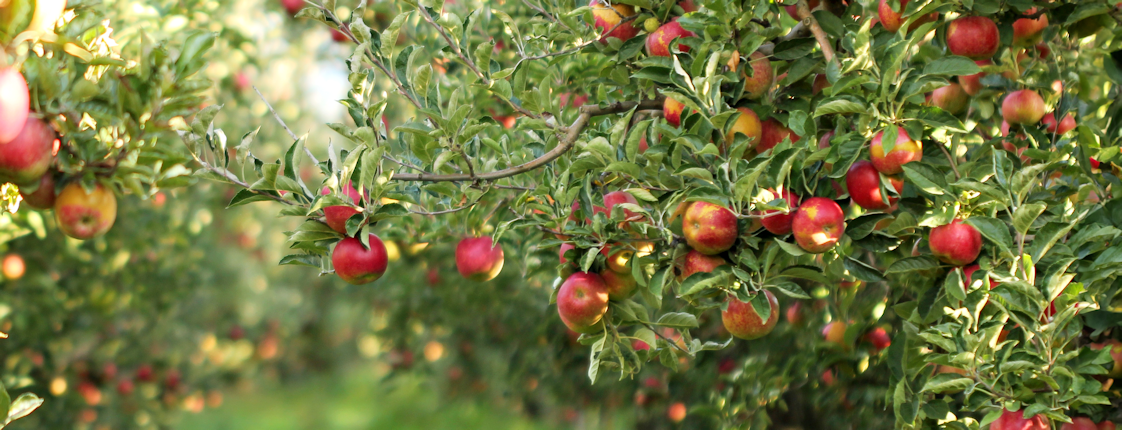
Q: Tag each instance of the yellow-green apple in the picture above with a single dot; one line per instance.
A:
(84, 216)
(356, 264)
(762, 78)
(676, 412)
(951, 98)
(818, 224)
(1115, 348)
(25, 159)
(775, 220)
(12, 267)
(709, 228)
(863, 182)
(292, 6)
(478, 258)
(974, 37)
(1067, 124)
(658, 42)
(1029, 31)
(834, 333)
(608, 17)
(956, 243)
(772, 133)
(906, 150)
(1080, 423)
(14, 103)
(972, 84)
(694, 262)
(878, 337)
(672, 111)
(1022, 107)
(742, 321)
(620, 285)
(47, 13)
(1015, 420)
(748, 124)
(336, 216)
(892, 20)
(582, 301)
(43, 196)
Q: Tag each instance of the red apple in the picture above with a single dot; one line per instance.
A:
(658, 42)
(951, 98)
(818, 224)
(905, 151)
(620, 285)
(616, 197)
(863, 182)
(820, 83)
(13, 267)
(795, 313)
(748, 124)
(1067, 124)
(892, 20)
(14, 104)
(972, 84)
(763, 76)
(742, 321)
(1115, 348)
(43, 197)
(358, 265)
(879, 338)
(694, 262)
(834, 333)
(687, 6)
(772, 133)
(1022, 107)
(25, 158)
(1028, 31)
(292, 6)
(676, 412)
(339, 36)
(582, 301)
(336, 216)
(125, 387)
(708, 228)
(1080, 423)
(478, 259)
(672, 111)
(1014, 420)
(968, 272)
(1106, 425)
(974, 37)
(777, 222)
(956, 243)
(794, 11)
(578, 101)
(144, 373)
(84, 216)
(565, 247)
(606, 18)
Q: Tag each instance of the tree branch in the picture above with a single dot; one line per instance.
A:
(566, 143)
(281, 121)
(819, 34)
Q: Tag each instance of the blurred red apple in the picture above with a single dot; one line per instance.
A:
(1014, 420)
(742, 321)
(85, 216)
(478, 259)
(26, 157)
(15, 104)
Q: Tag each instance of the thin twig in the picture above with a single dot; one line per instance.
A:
(583, 45)
(954, 166)
(819, 34)
(281, 121)
(543, 12)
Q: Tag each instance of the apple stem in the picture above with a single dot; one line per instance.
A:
(954, 165)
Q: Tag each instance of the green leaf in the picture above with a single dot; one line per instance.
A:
(952, 65)
(945, 383)
(677, 320)
(862, 271)
(5, 401)
(245, 196)
(23, 406)
(861, 226)
(953, 284)
(1026, 214)
(791, 248)
(702, 281)
(912, 264)
(300, 260)
(840, 104)
(792, 290)
(926, 178)
(994, 230)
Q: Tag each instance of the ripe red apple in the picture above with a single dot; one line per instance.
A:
(658, 42)
(777, 222)
(956, 243)
(772, 133)
(620, 285)
(25, 158)
(1028, 31)
(892, 21)
(687, 6)
(1022, 107)
(357, 265)
(582, 301)
(834, 333)
(13, 267)
(292, 6)
(676, 412)
(1014, 420)
(879, 338)
(951, 98)
(763, 76)
(125, 387)
(708, 228)
(339, 36)
(742, 321)
(614, 198)
(478, 259)
(820, 83)
(974, 37)
(43, 197)
(336, 216)
(794, 11)
(144, 373)
(1115, 348)
(1067, 124)
(1106, 425)
(578, 101)
(795, 313)
(565, 247)
(1080, 423)
(748, 124)
(606, 17)
(84, 216)
(905, 151)
(14, 104)
(863, 182)
(818, 224)
(972, 84)
(672, 111)
(968, 272)
(694, 262)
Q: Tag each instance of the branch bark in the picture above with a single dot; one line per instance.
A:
(819, 34)
(566, 143)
